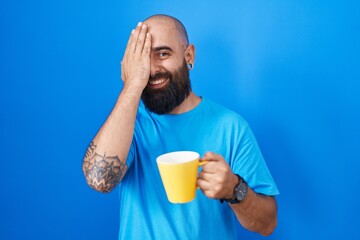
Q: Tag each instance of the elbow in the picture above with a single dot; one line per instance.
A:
(264, 219)
(271, 222)
(103, 179)
(269, 228)
(264, 228)
(99, 187)
(96, 180)
(99, 184)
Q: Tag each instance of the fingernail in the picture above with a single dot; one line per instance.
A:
(147, 34)
(132, 32)
(144, 25)
(139, 24)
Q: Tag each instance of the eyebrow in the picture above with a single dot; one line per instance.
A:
(156, 49)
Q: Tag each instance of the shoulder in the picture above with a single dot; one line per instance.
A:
(143, 114)
(224, 114)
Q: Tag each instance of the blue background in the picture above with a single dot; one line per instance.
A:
(291, 68)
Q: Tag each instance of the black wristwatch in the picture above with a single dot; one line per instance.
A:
(240, 192)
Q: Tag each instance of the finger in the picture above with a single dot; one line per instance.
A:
(206, 189)
(207, 157)
(141, 39)
(204, 176)
(210, 156)
(122, 72)
(202, 184)
(210, 194)
(217, 168)
(147, 45)
(135, 36)
(129, 42)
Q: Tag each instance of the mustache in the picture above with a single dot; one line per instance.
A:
(160, 75)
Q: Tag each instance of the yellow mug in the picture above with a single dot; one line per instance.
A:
(179, 172)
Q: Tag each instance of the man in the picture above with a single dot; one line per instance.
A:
(157, 112)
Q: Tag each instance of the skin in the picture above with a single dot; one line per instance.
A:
(153, 46)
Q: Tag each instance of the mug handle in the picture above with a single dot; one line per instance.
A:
(201, 163)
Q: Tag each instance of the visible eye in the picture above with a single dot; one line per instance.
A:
(163, 54)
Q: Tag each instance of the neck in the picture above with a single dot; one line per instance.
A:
(188, 104)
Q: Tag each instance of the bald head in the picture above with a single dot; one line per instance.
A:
(173, 23)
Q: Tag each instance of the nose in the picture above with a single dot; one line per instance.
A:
(154, 67)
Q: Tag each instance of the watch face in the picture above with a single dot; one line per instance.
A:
(241, 190)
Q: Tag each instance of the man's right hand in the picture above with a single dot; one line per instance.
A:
(135, 66)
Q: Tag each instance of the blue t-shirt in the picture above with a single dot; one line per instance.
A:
(145, 212)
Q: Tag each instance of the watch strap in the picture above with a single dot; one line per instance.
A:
(240, 192)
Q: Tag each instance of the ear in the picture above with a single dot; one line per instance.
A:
(190, 54)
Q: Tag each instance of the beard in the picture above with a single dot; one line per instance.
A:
(165, 99)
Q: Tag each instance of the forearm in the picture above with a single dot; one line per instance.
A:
(115, 136)
(104, 164)
(257, 212)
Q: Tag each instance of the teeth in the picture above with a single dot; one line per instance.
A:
(155, 82)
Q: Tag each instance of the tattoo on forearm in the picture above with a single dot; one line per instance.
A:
(102, 172)
(90, 151)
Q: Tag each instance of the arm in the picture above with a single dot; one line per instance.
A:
(256, 212)
(104, 164)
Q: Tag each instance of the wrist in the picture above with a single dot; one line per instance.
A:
(136, 89)
(239, 191)
(233, 183)
(136, 81)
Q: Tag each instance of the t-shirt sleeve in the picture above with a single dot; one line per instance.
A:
(249, 163)
(131, 155)
(132, 151)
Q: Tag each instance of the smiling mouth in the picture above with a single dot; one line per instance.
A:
(158, 83)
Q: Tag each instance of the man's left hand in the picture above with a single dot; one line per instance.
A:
(216, 180)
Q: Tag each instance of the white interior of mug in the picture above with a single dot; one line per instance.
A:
(177, 157)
